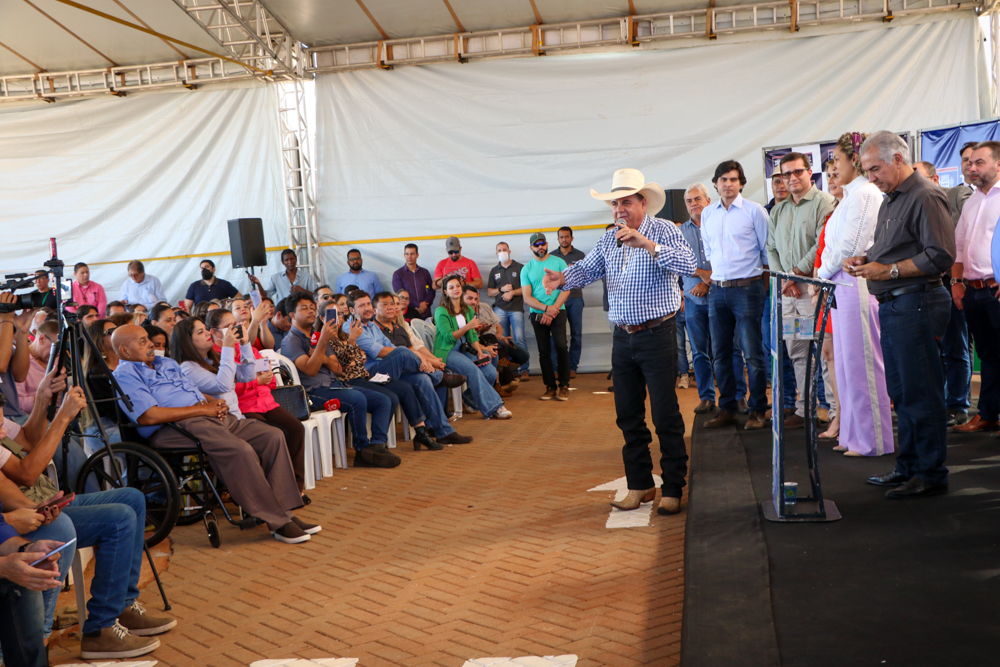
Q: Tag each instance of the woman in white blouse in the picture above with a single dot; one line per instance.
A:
(865, 417)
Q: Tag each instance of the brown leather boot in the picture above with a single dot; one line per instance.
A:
(634, 499)
(720, 420)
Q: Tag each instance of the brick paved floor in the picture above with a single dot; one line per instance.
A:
(489, 549)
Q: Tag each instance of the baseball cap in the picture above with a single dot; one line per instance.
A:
(537, 236)
(453, 243)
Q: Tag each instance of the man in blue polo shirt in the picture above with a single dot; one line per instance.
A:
(209, 287)
(365, 280)
(248, 453)
(411, 375)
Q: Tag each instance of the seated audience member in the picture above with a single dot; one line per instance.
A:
(408, 311)
(250, 455)
(112, 521)
(14, 330)
(340, 300)
(289, 281)
(364, 280)
(43, 296)
(279, 323)
(456, 265)
(162, 316)
(443, 380)
(209, 287)
(137, 308)
(548, 318)
(121, 319)
(251, 320)
(38, 359)
(141, 287)
(100, 386)
(41, 315)
(201, 309)
(324, 296)
(505, 347)
(21, 587)
(85, 291)
(115, 308)
(457, 344)
(87, 314)
(159, 338)
(416, 281)
(254, 395)
(411, 375)
(325, 361)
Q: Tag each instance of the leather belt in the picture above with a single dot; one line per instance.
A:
(651, 324)
(742, 282)
(886, 297)
(981, 284)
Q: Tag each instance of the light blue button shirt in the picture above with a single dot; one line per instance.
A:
(223, 384)
(371, 341)
(164, 385)
(735, 240)
(692, 234)
(280, 286)
(365, 280)
(149, 292)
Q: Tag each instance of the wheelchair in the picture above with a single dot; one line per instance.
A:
(179, 484)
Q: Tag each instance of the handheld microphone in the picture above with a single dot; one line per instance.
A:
(619, 241)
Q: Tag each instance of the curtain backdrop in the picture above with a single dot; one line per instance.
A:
(518, 144)
(145, 176)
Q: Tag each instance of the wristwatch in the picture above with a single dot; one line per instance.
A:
(894, 271)
(957, 281)
(24, 547)
(656, 250)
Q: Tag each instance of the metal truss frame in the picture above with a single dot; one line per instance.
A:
(616, 33)
(300, 181)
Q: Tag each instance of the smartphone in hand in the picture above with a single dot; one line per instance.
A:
(331, 314)
(255, 297)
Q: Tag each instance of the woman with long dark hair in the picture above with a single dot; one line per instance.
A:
(100, 387)
(457, 344)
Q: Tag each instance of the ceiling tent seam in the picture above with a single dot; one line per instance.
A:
(41, 70)
(372, 19)
(82, 40)
(167, 42)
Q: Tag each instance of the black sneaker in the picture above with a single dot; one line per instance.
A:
(376, 456)
(307, 528)
(290, 533)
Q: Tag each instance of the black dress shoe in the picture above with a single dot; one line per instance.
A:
(704, 407)
(451, 380)
(891, 478)
(916, 488)
(420, 437)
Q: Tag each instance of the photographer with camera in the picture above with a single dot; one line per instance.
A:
(14, 361)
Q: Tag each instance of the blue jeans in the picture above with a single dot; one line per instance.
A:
(982, 314)
(427, 397)
(21, 631)
(512, 324)
(682, 358)
(914, 378)
(699, 333)
(574, 313)
(480, 380)
(736, 311)
(957, 362)
(114, 522)
(357, 402)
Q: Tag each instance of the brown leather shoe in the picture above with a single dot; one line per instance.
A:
(525, 377)
(669, 505)
(562, 394)
(787, 412)
(795, 421)
(976, 424)
(722, 419)
(756, 422)
(634, 499)
(704, 407)
(548, 395)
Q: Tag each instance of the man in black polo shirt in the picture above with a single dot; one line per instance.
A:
(209, 287)
(914, 244)
(505, 285)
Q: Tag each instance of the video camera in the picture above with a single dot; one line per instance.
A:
(16, 281)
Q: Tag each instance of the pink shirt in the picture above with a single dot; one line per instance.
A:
(252, 396)
(8, 429)
(974, 233)
(26, 390)
(91, 295)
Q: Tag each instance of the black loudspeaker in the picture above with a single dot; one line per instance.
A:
(246, 243)
(674, 210)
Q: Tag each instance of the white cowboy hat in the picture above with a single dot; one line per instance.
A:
(627, 182)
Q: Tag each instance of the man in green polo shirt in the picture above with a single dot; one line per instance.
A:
(548, 317)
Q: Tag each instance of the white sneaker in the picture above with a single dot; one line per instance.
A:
(683, 382)
(502, 413)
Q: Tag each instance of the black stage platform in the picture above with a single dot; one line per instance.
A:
(907, 583)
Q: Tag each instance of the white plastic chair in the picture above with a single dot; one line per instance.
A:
(79, 583)
(312, 453)
(329, 434)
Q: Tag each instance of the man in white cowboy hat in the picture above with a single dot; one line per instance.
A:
(640, 260)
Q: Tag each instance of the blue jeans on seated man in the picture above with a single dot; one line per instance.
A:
(914, 379)
(736, 311)
(21, 632)
(479, 379)
(513, 326)
(357, 402)
(574, 315)
(699, 333)
(114, 522)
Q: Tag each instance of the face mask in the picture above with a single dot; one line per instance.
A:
(160, 353)
(206, 274)
(503, 257)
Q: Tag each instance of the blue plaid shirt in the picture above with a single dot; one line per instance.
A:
(639, 288)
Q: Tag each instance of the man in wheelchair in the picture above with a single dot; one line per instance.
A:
(248, 455)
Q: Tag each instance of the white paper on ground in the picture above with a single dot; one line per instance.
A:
(636, 518)
(526, 661)
(299, 662)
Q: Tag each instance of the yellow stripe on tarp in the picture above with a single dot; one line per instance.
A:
(402, 239)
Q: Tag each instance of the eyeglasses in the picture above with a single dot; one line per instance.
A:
(108, 332)
(797, 173)
(454, 252)
(539, 244)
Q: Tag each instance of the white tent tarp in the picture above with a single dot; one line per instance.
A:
(517, 144)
